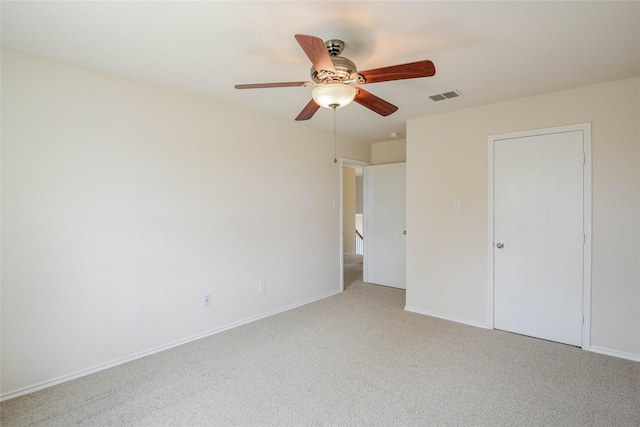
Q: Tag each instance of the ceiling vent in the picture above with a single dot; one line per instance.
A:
(446, 95)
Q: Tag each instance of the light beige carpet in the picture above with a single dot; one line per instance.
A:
(353, 359)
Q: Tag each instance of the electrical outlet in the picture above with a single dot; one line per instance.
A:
(262, 287)
(207, 300)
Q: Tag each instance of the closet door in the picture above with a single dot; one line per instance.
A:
(539, 236)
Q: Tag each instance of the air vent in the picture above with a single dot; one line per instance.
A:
(446, 95)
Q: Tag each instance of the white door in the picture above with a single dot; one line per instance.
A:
(539, 236)
(384, 260)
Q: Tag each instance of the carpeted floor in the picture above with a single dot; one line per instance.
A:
(353, 359)
(352, 270)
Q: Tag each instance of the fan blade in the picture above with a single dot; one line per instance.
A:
(374, 103)
(268, 85)
(308, 111)
(316, 52)
(399, 72)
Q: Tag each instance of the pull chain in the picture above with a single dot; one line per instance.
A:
(335, 138)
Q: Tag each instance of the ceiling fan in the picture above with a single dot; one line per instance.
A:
(333, 74)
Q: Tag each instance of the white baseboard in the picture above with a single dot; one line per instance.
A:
(65, 378)
(594, 349)
(614, 353)
(447, 317)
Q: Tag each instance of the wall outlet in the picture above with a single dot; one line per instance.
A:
(207, 300)
(456, 205)
(262, 287)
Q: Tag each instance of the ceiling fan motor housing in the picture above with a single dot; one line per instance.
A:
(334, 47)
(344, 69)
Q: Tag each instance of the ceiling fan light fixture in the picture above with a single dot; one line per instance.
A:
(333, 95)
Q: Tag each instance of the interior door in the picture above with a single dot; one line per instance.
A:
(539, 236)
(384, 260)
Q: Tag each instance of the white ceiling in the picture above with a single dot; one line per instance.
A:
(489, 51)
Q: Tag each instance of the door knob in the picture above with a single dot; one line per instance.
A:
(500, 245)
(404, 232)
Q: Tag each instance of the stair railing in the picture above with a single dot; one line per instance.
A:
(359, 243)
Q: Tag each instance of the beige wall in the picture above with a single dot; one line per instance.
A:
(394, 151)
(349, 209)
(124, 203)
(447, 250)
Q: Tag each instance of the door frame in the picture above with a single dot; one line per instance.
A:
(586, 276)
(343, 161)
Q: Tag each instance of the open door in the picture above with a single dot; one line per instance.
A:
(384, 225)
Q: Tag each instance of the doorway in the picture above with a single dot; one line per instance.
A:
(539, 233)
(351, 202)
